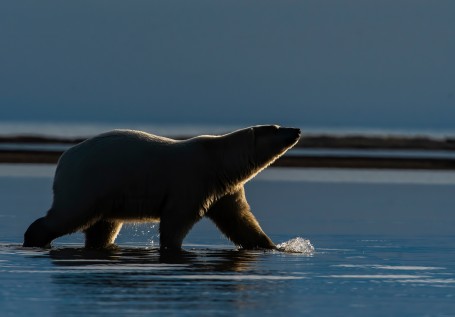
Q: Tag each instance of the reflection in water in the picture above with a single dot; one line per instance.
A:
(347, 276)
(201, 260)
(148, 279)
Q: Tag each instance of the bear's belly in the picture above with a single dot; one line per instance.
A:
(134, 209)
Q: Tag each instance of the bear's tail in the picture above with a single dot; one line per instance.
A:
(38, 234)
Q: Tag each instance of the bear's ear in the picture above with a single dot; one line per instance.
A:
(264, 131)
(253, 134)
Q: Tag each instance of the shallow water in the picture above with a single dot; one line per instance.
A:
(384, 246)
(346, 276)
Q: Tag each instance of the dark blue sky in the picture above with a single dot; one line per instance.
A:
(313, 63)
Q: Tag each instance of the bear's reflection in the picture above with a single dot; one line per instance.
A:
(153, 280)
(200, 260)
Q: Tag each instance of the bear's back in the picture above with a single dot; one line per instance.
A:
(115, 156)
(117, 143)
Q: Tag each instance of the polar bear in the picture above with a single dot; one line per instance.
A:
(133, 176)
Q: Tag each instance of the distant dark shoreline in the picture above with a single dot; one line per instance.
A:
(322, 141)
(15, 154)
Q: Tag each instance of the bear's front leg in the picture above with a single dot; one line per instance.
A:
(233, 216)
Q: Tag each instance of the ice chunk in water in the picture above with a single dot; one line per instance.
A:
(297, 245)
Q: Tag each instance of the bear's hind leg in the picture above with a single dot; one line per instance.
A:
(102, 234)
(232, 215)
(40, 234)
(174, 226)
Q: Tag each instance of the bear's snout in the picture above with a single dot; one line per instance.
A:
(292, 134)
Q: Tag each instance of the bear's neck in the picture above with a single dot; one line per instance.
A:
(223, 163)
(232, 169)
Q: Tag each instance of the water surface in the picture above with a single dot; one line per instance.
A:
(384, 246)
(355, 276)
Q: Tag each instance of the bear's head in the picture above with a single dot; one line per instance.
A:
(271, 142)
(238, 156)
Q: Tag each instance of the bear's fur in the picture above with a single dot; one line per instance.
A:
(132, 176)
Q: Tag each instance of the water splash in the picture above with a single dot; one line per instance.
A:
(144, 230)
(297, 245)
